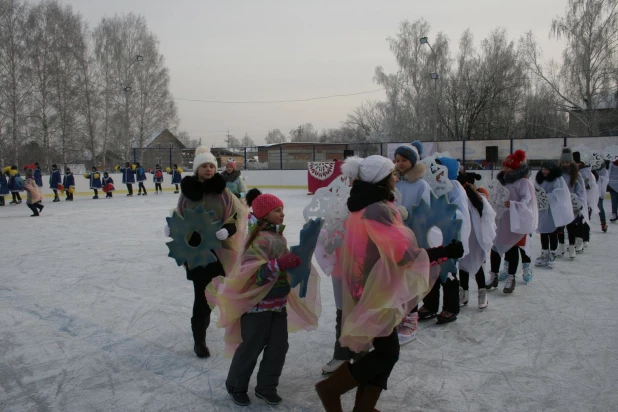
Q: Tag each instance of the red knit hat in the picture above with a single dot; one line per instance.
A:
(515, 160)
(264, 204)
(231, 162)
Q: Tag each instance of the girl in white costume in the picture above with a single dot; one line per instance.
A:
(518, 222)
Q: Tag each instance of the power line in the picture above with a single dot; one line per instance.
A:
(277, 101)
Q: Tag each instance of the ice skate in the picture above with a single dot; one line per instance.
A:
(571, 251)
(493, 281)
(503, 272)
(543, 259)
(407, 330)
(482, 298)
(332, 366)
(579, 245)
(509, 286)
(560, 250)
(527, 276)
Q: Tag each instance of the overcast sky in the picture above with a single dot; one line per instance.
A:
(287, 49)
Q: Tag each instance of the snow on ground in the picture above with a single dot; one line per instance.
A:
(94, 316)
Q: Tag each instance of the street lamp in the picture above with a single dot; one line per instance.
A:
(434, 77)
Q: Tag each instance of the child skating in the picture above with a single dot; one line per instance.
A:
(108, 185)
(34, 197)
(68, 182)
(176, 173)
(55, 181)
(157, 178)
(95, 181)
(516, 223)
(16, 185)
(384, 275)
(128, 176)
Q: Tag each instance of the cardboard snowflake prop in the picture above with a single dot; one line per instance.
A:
(597, 161)
(330, 204)
(437, 176)
(542, 199)
(441, 215)
(585, 153)
(498, 195)
(201, 222)
(576, 203)
(610, 153)
(308, 240)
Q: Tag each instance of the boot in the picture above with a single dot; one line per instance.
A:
(2, 201)
(604, 227)
(464, 297)
(366, 398)
(579, 245)
(528, 272)
(199, 337)
(543, 259)
(493, 281)
(509, 286)
(572, 251)
(552, 259)
(503, 272)
(330, 390)
(560, 250)
(482, 298)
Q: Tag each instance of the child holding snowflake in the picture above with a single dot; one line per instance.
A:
(257, 304)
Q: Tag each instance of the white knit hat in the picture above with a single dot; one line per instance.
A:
(203, 156)
(372, 169)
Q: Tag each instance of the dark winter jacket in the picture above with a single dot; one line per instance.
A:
(95, 183)
(514, 176)
(176, 177)
(158, 176)
(38, 177)
(55, 179)
(4, 185)
(128, 175)
(16, 183)
(554, 173)
(68, 181)
(195, 190)
(141, 174)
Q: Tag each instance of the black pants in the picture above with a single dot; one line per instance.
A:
(375, 368)
(176, 187)
(524, 256)
(464, 278)
(340, 352)
(35, 207)
(130, 188)
(157, 187)
(55, 194)
(573, 230)
(511, 256)
(451, 296)
(15, 196)
(69, 195)
(141, 186)
(267, 332)
(96, 192)
(549, 241)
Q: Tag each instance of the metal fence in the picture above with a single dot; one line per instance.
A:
(295, 156)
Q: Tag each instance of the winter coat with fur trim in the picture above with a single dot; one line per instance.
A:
(33, 192)
(55, 179)
(4, 185)
(413, 188)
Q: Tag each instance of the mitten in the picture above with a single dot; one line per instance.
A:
(288, 261)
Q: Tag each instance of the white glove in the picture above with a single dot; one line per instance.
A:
(167, 231)
(222, 234)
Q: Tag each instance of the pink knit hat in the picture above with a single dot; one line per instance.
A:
(264, 204)
(232, 163)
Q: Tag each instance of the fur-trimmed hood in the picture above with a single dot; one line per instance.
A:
(230, 177)
(554, 173)
(413, 174)
(195, 190)
(515, 175)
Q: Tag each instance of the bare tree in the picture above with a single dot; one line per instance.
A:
(586, 80)
(369, 119)
(247, 141)
(274, 136)
(15, 87)
(305, 133)
(231, 141)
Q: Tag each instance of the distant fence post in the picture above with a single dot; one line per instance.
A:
(313, 146)
(381, 149)
(511, 148)
(245, 157)
(565, 141)
(134, 155)
(281, 157)
(463, 151)
(171, 156)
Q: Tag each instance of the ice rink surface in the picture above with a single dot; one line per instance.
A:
(95, 317)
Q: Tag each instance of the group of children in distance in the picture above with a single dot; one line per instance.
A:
(12, 183)
(380, 274)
